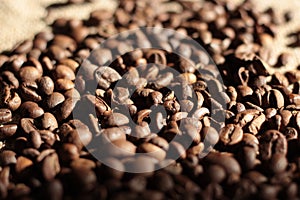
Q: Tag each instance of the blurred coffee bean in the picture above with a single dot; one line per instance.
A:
(271, 142)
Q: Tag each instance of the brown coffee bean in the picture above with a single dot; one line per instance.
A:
(114, 133)
(230, 165)
(116, 119)
(273, 98)
(9, 79)
(35, 139)
(8, 130)
(50, 167)
(29, 91)
(48, 137)
(64, 72)
(82, 181)
(31, 109)
(82, 164)
(49, 122)
(67, 108)
(22, 164)
(160, 142)
(256, 124)
(5, 115)
(53, 190)
(112, 168)
(7, 157)
(231, 134)
(11, 99)
(46, 85)
(105, 76)
(215, 173)
(27, 125)
(119, 148)
(209, 135)
(144, 165)
(68, 152)
(64, 84)
(54, 99)
(278, 163)
(290, 133)
(152, 151)
(271, 142)
(29, 73)
(64, 42)
(176, 150)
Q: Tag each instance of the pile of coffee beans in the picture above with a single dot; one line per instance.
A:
(151, 116)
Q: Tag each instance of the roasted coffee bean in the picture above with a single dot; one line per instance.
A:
(10, 99)
(8, 78)
(5, 115)
(29, 73)
(64, 72)
(7, 157)
(273, 98)
(226, 161)
(231, 134)
(29, 91)
(119, 148)
(116, 119)
(271, 142)
(46, 85)
(68, 152)
(54, 99)
(215, 174)
(114, 133)
(35, 139)
(112, 168)
(105, 76)
(7, 130)
(22, 164)
(50, 167)
(152, 151)
(64, 84)
(31, 109)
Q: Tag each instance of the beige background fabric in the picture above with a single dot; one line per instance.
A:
(21, 19)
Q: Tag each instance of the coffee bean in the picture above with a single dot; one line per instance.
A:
(7, 157)
(116, 119)
(35, 139)
(231, 134)
(119, 148)
(54, 99)
(273, 98)
(29, 73)
(68, 152)
(5, 115)
(29, 91)
(46, 85)
(50, 167)
(9, 79)
(278, 163)
(22, 164)
(105, 76)
(114, 133)
(64, 84)
(271, 142)
(113, 169)
(7, 130)
(31, 109)
(215, 173)
(11, 99)
(64, 72)
(82, 180)
(152, 151)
